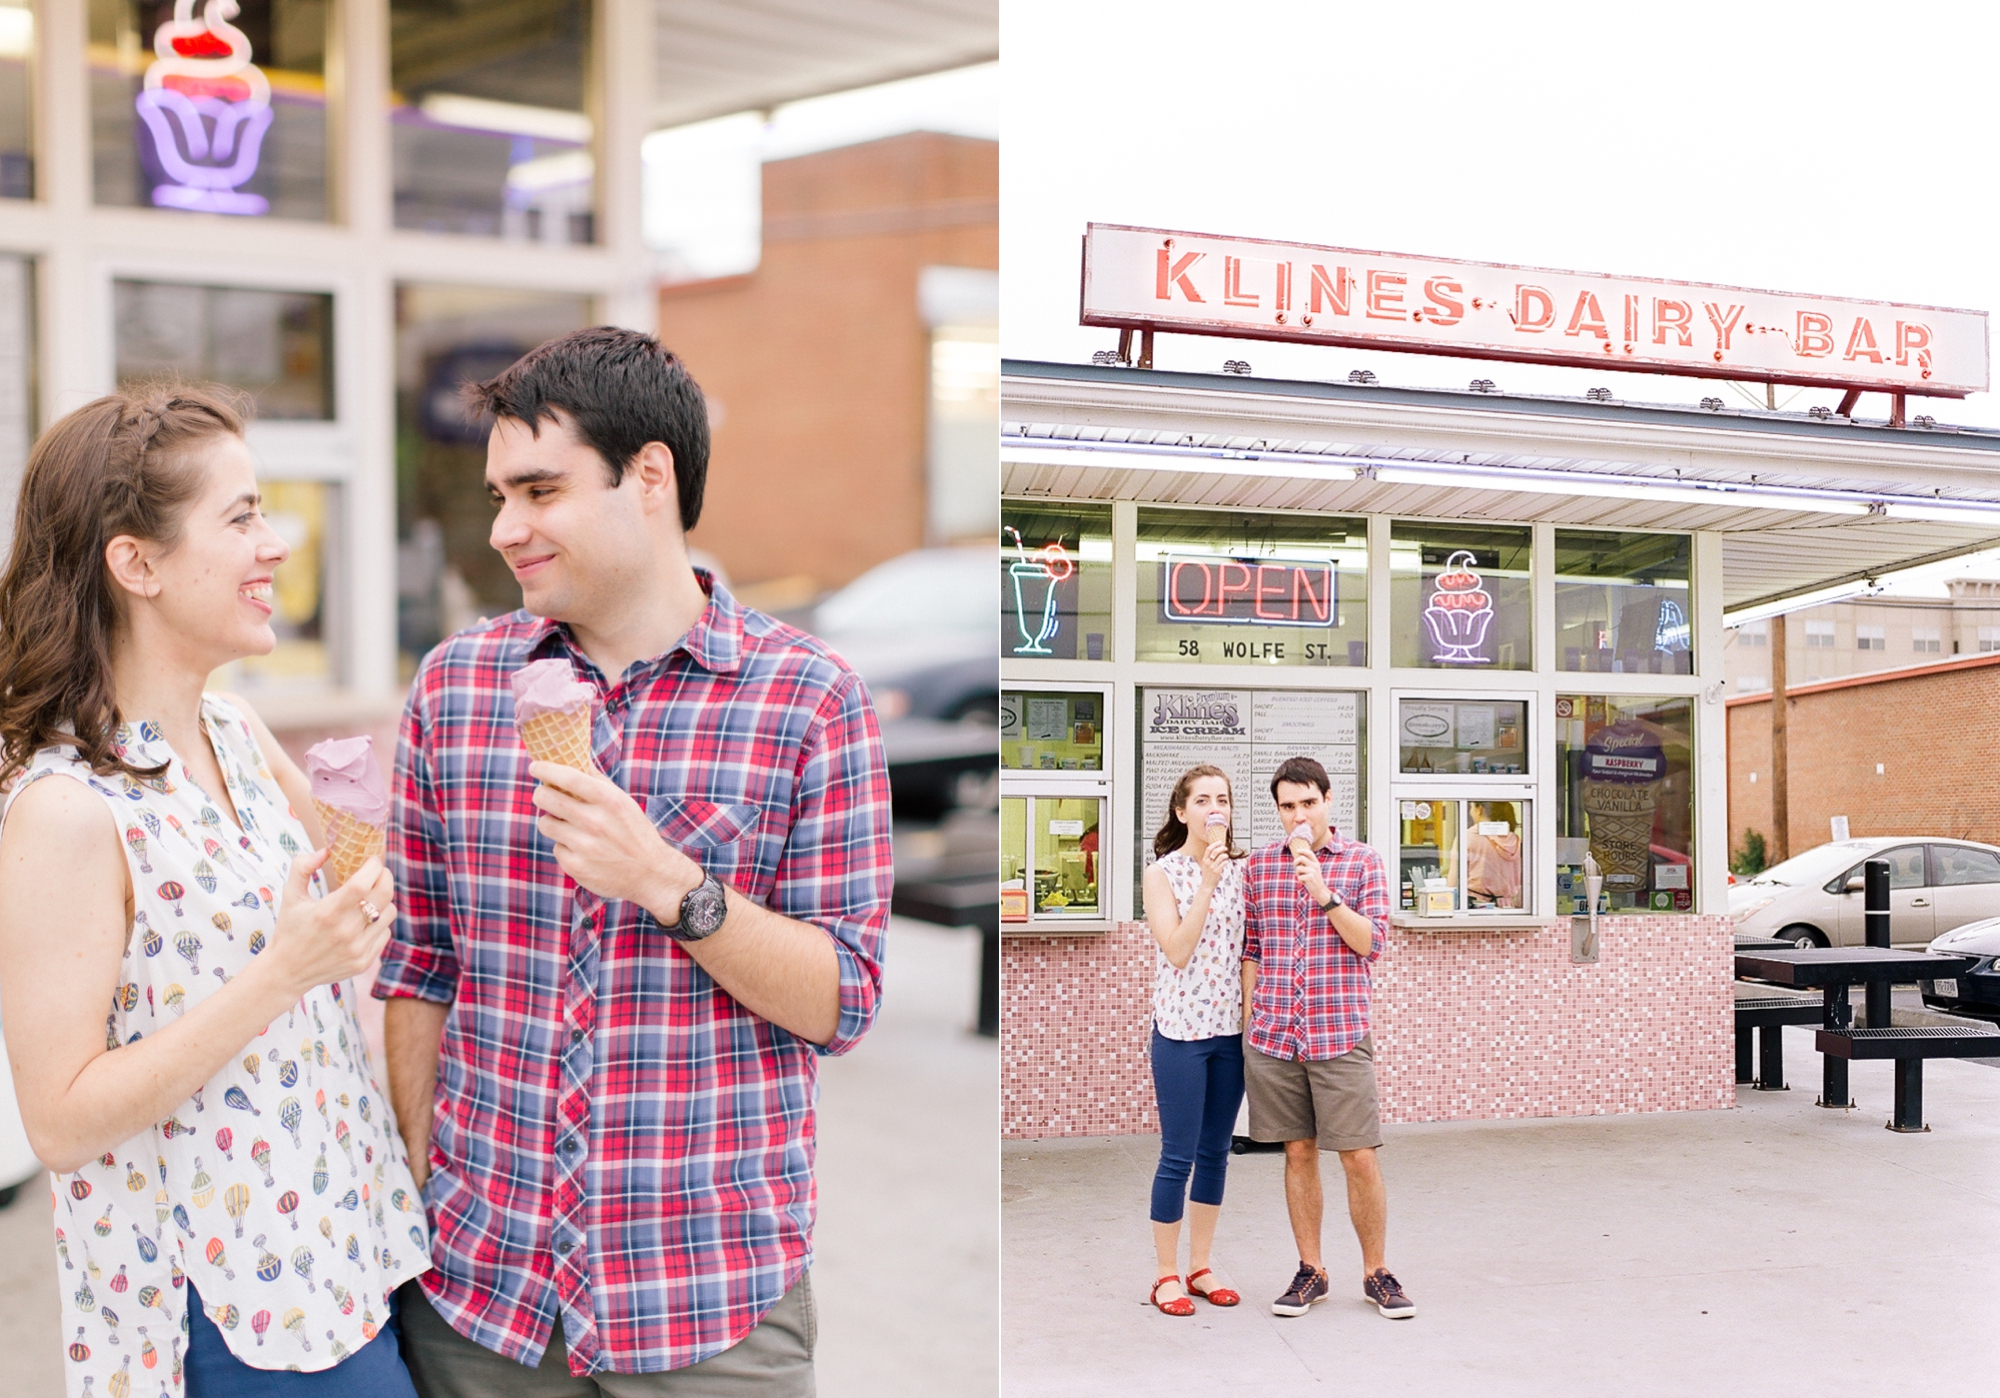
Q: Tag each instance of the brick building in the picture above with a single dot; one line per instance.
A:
(854, 376)
(1898, 752)
(1866, 635)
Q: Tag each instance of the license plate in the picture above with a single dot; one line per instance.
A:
(1948, 989)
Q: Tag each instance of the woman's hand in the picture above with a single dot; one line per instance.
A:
(331, 938)
(1214, 864)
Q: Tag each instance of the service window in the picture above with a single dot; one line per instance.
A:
(1460, 596)
(1624, 776)
(1482, 736)
(1054, 730)
(1231, 588)
(1055, 581)
(1050, 860)
(1463, 854)
(1622, 603)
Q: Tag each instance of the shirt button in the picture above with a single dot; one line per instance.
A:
(563, 1247)
(568, 1145)
(576, 1036)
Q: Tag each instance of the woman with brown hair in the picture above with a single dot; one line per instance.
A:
(175, 1002)
(1194, 906)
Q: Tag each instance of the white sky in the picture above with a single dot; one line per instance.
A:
(703, 199)
(1835, 148)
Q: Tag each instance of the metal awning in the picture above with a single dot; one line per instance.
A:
(714, 57)
(1802, 504)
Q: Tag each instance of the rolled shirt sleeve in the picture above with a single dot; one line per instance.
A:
(836, 871)
(1371, 900)
(420, 961)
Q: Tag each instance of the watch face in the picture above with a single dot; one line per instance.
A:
(702, 910)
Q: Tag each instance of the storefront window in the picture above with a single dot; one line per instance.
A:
(488, 129)
(1462, 855)
(17, 53)
(221, 111)
(17, 380)
(1488, 736)
(1055, 581)
(447, 574)
(1627, 799)
(1247, 733)
(1228, 588)
(304, 515)
(1622, 604)
(277, 346)
(1049, 859)
(1460, 596)
(1052, 731)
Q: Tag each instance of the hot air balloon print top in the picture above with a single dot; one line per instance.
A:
(281, 1185)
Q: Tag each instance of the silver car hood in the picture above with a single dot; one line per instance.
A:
(1980, 938)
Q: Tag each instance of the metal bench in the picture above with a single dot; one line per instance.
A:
(1910, 1047)
(1768, 1015)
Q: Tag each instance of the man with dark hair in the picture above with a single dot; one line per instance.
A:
(608, 988)
(1316, 917)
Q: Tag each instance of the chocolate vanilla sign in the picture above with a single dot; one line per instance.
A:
(1251, 288)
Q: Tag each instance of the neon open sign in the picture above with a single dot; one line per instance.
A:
(1209, 589)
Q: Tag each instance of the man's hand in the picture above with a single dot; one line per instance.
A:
(604, 841)
(1306, 866)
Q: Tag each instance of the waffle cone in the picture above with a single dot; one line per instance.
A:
(352, 842)
(560, 737)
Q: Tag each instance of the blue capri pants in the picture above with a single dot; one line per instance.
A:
(1199, 1083)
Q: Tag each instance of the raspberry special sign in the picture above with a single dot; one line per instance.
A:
(1250, 288)
(206, 107)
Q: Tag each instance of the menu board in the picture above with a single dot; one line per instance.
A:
(1248, 733)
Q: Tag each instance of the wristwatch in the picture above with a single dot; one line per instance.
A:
(1333, 900)
(702, 911)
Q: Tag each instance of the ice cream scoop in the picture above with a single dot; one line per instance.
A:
(352, 798)
(552, 710)
(1216, 827)
(345, 775)
(1301, 838)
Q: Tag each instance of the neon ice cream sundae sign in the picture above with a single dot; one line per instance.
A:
(207, 107)
(1459, 614)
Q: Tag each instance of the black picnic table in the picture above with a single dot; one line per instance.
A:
(1833, 970)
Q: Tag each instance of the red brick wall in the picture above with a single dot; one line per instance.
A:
(1469, 1026)
(817, 363)
(1935, 731)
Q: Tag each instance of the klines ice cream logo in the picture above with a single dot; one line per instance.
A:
(1459, 615)
(207, 107)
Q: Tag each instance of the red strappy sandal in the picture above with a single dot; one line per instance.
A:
(1215, 1295)
(1180, 1305)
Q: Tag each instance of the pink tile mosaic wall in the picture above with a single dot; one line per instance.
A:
(1468, 1026)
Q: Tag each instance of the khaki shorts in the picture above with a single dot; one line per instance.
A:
(1332, 1099)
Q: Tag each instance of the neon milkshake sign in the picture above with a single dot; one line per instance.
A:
(1037, 579)
(1460, 614)
(207, 107)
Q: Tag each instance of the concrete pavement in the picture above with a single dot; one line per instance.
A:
(908, 1176)
(1777, 1248)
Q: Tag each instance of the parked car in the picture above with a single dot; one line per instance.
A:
(1815, 899)
(1977, 992)
(923, 631)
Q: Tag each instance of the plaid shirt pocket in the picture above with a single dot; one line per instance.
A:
(719, 836)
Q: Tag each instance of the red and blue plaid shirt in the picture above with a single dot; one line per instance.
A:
(1311, 999)
(617, 1141)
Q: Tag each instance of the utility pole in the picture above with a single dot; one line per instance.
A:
(1781, 815)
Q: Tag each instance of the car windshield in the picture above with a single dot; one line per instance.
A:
(929, 590)
(1816, 865)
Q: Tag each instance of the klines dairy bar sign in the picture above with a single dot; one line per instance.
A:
(1247, 288)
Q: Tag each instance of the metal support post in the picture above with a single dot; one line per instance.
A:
(1833, 1068)
(1909, 1096)
(1771, 1059)
(1875, 929)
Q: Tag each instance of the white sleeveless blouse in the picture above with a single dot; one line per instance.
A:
(1203, 999)
(280, 1188)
